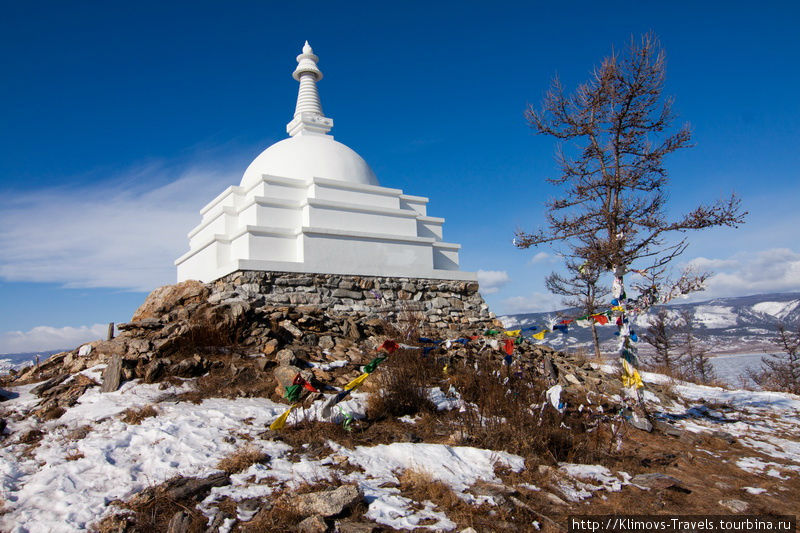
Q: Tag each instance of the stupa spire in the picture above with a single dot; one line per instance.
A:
(308, 116)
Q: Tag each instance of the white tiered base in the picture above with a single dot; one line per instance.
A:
(322, 226)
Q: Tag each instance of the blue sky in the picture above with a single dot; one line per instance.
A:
(120, 121)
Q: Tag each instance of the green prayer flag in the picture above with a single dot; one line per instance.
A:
(370, 367)
(293, 392)
(490, 332)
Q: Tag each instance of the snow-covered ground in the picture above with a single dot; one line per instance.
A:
(67, 482)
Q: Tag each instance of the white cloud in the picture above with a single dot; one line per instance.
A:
(123, 232)
(42, 338)
(542, 257)
(490, 281)
(535, 303)
(766, 271)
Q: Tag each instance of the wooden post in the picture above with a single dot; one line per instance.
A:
(110, 330)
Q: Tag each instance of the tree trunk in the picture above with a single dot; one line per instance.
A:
(596, 342)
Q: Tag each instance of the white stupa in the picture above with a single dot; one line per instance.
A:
(311, 204)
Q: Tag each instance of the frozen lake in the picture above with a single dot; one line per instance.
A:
(729, 367)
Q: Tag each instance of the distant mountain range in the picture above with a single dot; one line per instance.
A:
(18, 360)
(745, 324)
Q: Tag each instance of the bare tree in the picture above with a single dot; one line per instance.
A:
(581, 290)
(612, 206)
(660, 335)
(697, 367)
(781, 371)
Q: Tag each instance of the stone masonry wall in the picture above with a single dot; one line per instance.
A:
(440, 303)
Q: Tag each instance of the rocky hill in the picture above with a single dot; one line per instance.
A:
(401, 416)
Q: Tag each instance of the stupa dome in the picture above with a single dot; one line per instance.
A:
(310, 156)
(309, 152)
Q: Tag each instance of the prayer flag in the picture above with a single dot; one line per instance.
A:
(389, 346)
(509, 346)
(356, 382)
(370, 367)
(281, 420)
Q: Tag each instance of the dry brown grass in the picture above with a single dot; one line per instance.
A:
(219, 383)
(512, 416)
(133, 415)
(74, 455)
(402, 381)
(151, 514)
(241, 459)
(419, 485)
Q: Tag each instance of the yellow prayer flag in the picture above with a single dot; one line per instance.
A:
(539, 336)
(514, 333)
(630, 376)
(618, 308)
(356, 382)
(281, 420)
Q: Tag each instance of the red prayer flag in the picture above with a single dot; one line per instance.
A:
(509, 346)
(389, 346)
(298, 380)
(600, 319)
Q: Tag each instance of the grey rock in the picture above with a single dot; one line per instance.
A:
(138, 345)
(344, 293)
(285, 375)
(326, 342)
(179, 523)
(291, 328)
(327, 502)
(313, 524)
(286, 357)
(656, 480)
(638, 421)
(666, 428)
(189, 368)
(154, 371)
(552, 498)
(736, 506)
(247, 509)
(439, 303)
(187, 487)
(112, 374)
(38, 390)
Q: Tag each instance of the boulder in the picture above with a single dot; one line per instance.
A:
(284, 375)
(327, 502)
(286, 357)
(165, 299)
